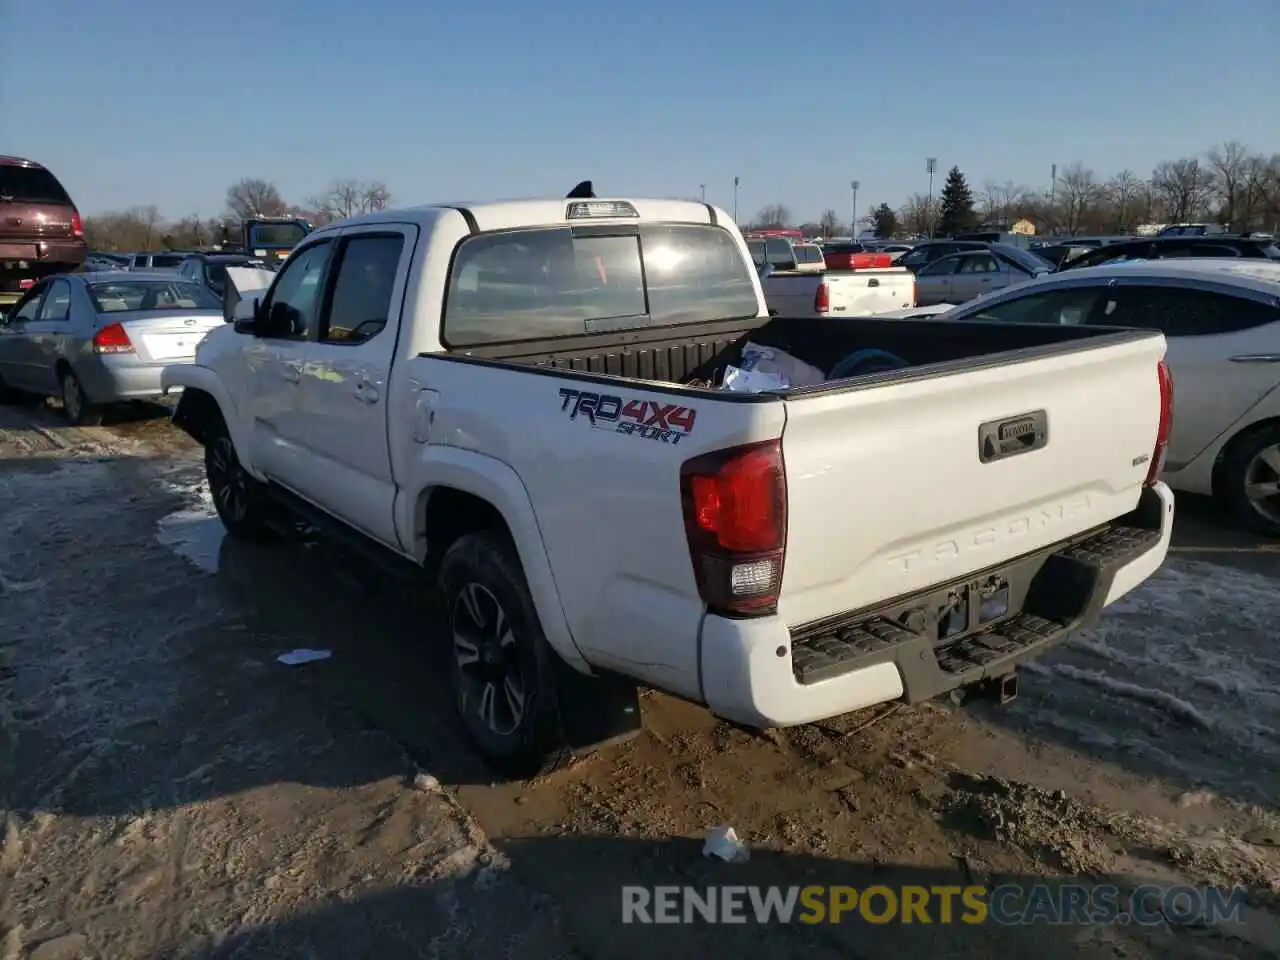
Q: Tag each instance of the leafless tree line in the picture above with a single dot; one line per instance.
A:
(1230, 185)
(145, 228)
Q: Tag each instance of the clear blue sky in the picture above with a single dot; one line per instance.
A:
(141, 101)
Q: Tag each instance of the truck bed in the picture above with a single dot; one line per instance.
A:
(702, 355)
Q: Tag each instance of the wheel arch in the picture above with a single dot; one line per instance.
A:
(204, 403)
(457, 492)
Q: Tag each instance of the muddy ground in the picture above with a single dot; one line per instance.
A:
(168, 789)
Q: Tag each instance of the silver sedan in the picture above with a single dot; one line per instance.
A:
(94, 339)
(962, 276)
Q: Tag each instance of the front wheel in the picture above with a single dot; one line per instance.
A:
(502, 669)
(236, 494)
(1251, 481)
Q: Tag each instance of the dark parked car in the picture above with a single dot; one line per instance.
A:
(210, 269)
(1163, 248)
(40, 228)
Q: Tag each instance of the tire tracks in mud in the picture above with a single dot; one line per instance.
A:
(36, 431)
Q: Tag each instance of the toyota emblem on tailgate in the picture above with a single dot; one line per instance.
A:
(998, 439)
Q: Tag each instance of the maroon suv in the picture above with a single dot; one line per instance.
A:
(40, 228)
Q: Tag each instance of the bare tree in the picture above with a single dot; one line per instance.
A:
(348, 197)
(254, 198)
(829, 223)
(375, 196)
(774, 215)
(1181, 186)
(1229, 167)
(918, 215)
(1122, 192)
(1077, 190)
(147, 218)
(995, 200)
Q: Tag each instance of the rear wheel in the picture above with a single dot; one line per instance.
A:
(237, 496)
(77, 407)
(502, 666)
(1251, 481)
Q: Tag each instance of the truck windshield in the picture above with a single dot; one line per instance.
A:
(545, 283)
(275, 235)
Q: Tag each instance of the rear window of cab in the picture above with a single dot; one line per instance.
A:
(551, 282)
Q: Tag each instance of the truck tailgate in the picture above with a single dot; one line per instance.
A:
(863, 292)
(897, 485)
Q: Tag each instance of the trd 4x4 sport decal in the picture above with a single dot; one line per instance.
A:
(666, 422)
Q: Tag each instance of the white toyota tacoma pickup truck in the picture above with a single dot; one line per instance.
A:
(522, 398)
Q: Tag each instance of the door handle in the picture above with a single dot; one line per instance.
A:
(293, 372)
(873, 282)
(366, 392)
(1256, 358)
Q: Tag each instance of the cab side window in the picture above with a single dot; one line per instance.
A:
(363, 288)
(293, 305)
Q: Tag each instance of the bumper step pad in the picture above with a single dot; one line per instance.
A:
(1074, 578)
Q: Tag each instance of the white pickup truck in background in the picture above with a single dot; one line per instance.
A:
(524, 399)
(837, 293)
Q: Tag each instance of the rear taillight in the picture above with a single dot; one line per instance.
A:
(735, 517)
(112, 339)
(77, 225)
(1166, 423)
(822, 298)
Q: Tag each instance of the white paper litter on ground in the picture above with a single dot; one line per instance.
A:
(295, 657)
(723, 842)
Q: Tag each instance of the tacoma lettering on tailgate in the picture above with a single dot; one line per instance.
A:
(1000, 535)
(665, 422)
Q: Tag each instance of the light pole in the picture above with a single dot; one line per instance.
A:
(931, 166)
(853, 224)
(736, 182)
(702, 192)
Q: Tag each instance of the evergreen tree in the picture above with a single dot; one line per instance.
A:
(885, 221)
(956, 214)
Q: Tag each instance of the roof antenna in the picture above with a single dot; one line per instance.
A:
(583, 191)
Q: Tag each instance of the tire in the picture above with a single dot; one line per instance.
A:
(501, 665)
(237, 496)
(77, 407)
(1250, 481)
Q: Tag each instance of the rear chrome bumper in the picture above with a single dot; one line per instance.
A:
(759, 672)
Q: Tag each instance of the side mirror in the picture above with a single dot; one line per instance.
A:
(248, 318)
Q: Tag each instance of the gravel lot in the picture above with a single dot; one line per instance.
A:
(168, 789)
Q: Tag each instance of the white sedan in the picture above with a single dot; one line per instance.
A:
(1222, 322)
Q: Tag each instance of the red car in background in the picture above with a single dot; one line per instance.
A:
(854, 256)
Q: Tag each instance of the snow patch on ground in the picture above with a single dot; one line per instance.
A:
(1188, 672)
(195, 533)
